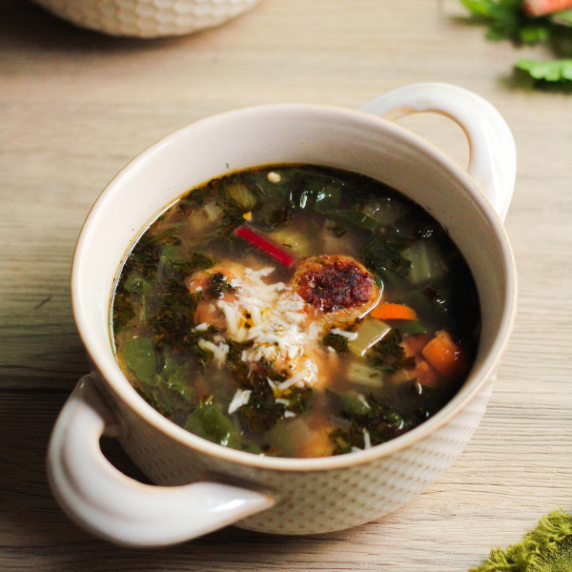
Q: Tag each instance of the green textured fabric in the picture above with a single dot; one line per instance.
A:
(548, 548)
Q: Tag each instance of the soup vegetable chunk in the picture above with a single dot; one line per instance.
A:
(295, 311)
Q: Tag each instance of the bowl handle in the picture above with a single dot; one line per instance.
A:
(492, 162)
(120, 509)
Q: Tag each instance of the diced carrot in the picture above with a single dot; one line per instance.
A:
(387, 311)
(444, 355)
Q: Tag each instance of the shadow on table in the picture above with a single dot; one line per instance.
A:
(34, 530)
(24, 23)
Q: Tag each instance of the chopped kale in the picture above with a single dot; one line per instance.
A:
(388, 355)
(197, 197)
(197, 261)
(174, 320)
(380, 421)
(123, 311)
(152, 400)
(143, 260)
(279, 217)
(300, 399)
(335, 341)
(261, 412)
(218, 285)
(232, 218)
(235, 349)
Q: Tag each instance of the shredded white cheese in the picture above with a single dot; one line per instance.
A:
(241, 397)
(366, 440)
(219, 351)
(351, 336)
(272, 316)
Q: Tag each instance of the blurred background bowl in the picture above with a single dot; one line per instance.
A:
(147, 18)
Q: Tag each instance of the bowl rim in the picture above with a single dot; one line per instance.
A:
(118, 384)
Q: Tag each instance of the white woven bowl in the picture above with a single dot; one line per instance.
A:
(204, 486)
(147, 18)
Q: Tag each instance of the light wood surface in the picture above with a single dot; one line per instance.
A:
(75, 106)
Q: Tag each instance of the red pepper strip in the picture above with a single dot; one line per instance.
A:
(265, 245)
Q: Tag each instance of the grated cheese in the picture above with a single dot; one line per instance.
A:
(241, 397)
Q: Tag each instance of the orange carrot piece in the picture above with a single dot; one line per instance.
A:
(444, 355)
(537, 8)
(387, 311)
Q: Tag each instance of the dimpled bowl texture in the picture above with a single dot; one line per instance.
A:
(147, 18)
(311, 502)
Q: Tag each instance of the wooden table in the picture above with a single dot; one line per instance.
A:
(75, 106)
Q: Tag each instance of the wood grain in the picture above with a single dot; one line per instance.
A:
(75, 106)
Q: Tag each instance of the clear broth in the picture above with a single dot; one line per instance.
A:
(183, 286)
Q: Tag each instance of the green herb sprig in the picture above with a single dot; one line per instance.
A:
(506, 20)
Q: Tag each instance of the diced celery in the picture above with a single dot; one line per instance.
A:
(204, 218)
(294, 241)
(426, 261)
(370, 332)
(364, 375)
(241, 195)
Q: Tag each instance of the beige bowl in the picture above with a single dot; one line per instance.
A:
(147, 18)
(204, 486)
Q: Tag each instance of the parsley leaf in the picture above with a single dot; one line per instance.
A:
(555, 70)
(507, 20)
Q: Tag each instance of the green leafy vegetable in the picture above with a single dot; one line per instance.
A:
(323, 194)
(244, 197)
(197, 261)
(506, 19)
(379, 255)
(369, 334)
(564, 17)
(350, 401)
(280, 216)
(209, 421)
(335, 341)
(354, 218)
(261, 412)
(177, 378)
(378, 421)
(139, 355)
(408, 327)
(136, 283)
(554, 70)
(388, 355)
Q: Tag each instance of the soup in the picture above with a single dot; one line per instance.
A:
(295, 311)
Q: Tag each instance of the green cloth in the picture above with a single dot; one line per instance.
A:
(548, 548)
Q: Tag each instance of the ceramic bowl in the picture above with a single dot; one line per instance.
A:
(202, 486)
(147, 18)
